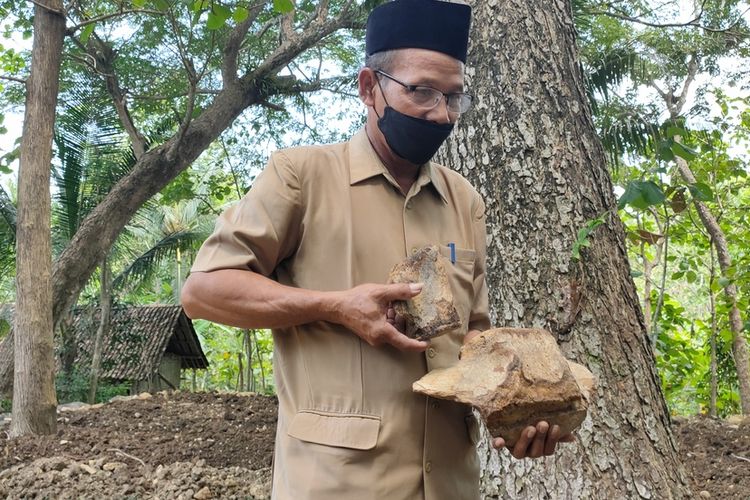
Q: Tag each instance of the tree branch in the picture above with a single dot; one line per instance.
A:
(234, 42)
(13, 79)
(692, 23)
(692, 71)
(71, 31)
(48, 8)
(104, 57)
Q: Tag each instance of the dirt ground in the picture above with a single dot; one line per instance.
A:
(182, 445)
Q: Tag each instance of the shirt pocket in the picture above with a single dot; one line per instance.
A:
(461, 278)
(342, 430)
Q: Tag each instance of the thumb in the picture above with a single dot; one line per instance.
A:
(402, 291)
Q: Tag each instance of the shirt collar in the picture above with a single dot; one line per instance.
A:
(365, 163)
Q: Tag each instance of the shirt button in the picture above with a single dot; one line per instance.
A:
(434, 404)
(428, 467)
(408, 205)
(431, 352)
(414, 250)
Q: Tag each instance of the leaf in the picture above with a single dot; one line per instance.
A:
(217, 17)
(664, 150)
(86, 32)
(283, 6)
(161, 5)
(641, 195)
(691, 276)
(674, 130)
(138, 4)
(724, 281)
(678, 202)
(636, 274)
(240, 14)
(701, 191)
(652, 194)
(648, 237)
(683, 151)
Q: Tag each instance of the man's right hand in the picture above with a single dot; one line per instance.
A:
(363, 310)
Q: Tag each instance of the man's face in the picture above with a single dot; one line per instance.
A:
(425, 68)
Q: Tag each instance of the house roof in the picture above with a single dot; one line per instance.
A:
(137, 340)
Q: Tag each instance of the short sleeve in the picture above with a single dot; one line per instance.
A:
(262, 229)
(479, 318)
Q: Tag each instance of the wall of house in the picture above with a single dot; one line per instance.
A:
(169, 368)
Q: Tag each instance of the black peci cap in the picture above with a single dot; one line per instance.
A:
(421, 24)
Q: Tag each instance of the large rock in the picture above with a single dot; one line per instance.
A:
(515, 377)
(431, 313)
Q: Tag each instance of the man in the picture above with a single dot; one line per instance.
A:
(306, 253)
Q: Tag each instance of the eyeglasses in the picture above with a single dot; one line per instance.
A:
(427, 97)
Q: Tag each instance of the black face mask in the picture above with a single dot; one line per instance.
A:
(413, 139)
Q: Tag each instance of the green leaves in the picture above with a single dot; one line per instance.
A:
(582, 238)
(641, 195)
(217, 16)
(86, 32)
(701, 191)
(283, 6)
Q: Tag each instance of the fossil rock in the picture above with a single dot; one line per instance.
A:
(431, 313)
(515, 377)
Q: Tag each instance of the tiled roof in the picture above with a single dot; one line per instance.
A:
(137, 340)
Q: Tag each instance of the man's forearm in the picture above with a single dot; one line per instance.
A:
(249, 300)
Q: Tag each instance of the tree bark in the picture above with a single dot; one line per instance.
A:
(106, 312)
(530, 147)
(34, 400)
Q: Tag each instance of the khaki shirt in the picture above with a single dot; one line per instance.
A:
(350, 427)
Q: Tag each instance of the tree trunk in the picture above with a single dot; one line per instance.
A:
(34, 401)
(530, 147)
(248, 348)
(106, 313)
(712, 340)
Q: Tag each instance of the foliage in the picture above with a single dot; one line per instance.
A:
(223, 346)
(653, 76)
(75, 387)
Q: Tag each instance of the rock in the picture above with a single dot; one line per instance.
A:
(515, 378)
(704, 494)
(431, 313)
(203, 494)
(145, 395)
(110, 466)
(90, 470)
(74, 406)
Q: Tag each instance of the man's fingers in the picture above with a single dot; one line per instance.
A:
(552, 439)
(498, 443)
(537, 446)
(401, 291)
(402, 342)
(522, 445)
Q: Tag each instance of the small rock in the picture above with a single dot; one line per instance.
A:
(145, 395)
(203, 494)
(161, 472)
(110, 466)
(64, 441)
(431, 313)
(88, 468)
(704, 494)
(137, 415)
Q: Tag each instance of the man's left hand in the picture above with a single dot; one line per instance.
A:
(535, 441)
